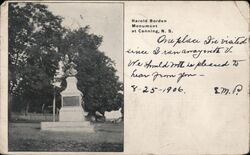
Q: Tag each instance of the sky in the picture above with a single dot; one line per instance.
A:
(104, 19)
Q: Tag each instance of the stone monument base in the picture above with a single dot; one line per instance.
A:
(71, 114)
(67, 126)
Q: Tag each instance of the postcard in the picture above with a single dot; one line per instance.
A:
(124, 77)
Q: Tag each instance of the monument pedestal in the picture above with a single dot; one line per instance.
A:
(67, 126)
(71, 114)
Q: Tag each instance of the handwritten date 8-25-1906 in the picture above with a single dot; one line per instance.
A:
(178, 89)
(151, 90)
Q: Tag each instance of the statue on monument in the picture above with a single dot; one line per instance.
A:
(71, 71)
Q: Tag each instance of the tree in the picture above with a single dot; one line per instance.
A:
(35, 38)
(96, 76)
(37, 42)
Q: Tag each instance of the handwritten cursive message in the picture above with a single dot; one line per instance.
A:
(180, 57)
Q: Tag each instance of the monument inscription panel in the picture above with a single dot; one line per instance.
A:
(71, 101)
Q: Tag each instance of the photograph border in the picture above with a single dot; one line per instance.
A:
(123, 79)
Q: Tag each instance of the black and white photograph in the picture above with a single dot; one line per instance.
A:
(65, 77)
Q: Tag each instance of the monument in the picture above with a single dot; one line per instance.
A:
(71, 114)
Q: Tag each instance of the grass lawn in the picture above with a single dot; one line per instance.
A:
(108, 137)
